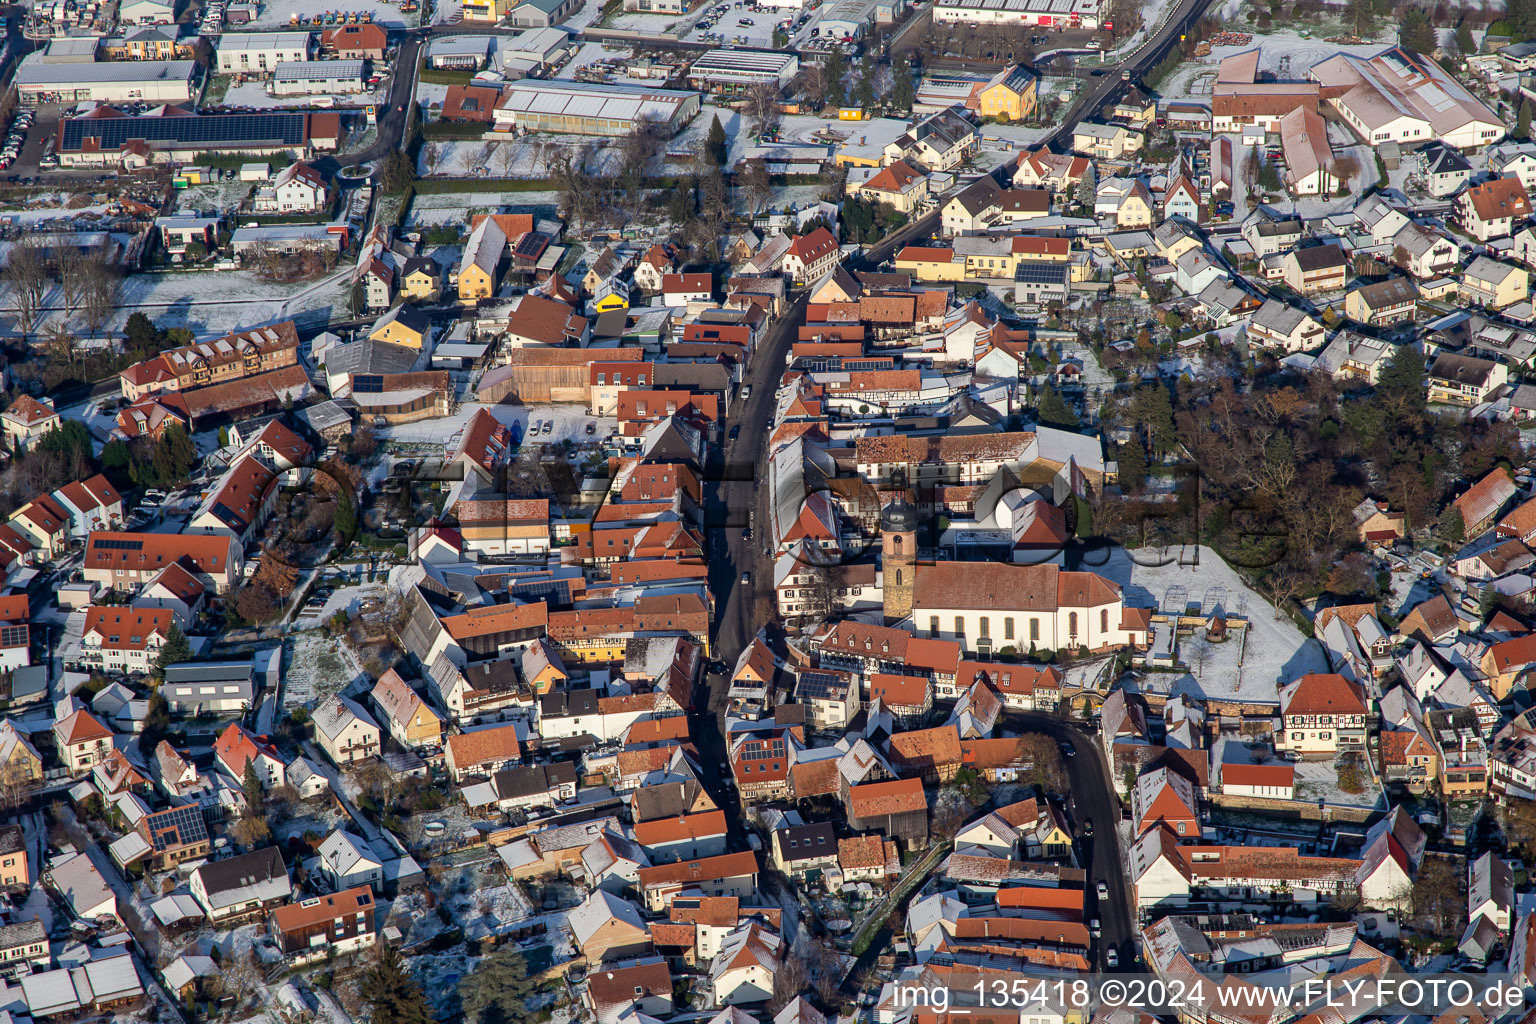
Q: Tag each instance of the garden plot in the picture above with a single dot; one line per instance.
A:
(214, 198)
(317, 668)
(1319, 780)
(203, 300)
(440, 974)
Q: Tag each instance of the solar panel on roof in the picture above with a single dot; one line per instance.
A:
(181, 825)
(112, 133)
(13, 636)
(368, 384)
(114, 544)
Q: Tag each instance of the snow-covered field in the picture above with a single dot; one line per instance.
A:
(1252, 668)
(210, 301)
(531, 156)
(278, 14)
(431, 210)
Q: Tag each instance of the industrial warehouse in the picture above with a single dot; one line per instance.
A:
(736, 71)
(584, 109)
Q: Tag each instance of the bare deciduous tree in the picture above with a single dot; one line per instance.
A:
(26, 274)
(763, 105)
(100, 284)
(756, 183)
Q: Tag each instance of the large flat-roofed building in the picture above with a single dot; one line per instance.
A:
(259, 53)
(1404, 97)
(103, 137)
(537, 13)
(1045, 13)
(317, 77)
(585, 109)
(736, 71)
(39, 80)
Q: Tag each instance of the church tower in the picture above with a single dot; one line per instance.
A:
(898, 557)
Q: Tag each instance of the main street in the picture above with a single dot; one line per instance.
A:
(735, 499)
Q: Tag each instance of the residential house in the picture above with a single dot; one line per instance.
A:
(1321, 714)
(1464, 380)
(804, 852)
(606, 927)
(901, 186)
(345, 731)
(1105, 141)
(1315, 268)
(409, 719)
(1494, 285)
(811, 256)
(730, 874)
(1287, 328)
(26, 420)
(346, 861)
(1383, 303)
(1493, 209)
(482, 751)
(81, 741)
(243, 886)
(327, 925)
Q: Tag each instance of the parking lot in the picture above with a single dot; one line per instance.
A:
(741, 23)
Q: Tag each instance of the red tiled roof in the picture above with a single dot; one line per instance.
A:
(895, 797)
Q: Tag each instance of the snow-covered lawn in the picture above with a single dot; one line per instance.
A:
(531, 156)
(431, 210)
(1319, 780)
(1247, 668)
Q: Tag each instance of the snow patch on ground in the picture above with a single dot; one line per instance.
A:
(255, 94)
(1251, 668)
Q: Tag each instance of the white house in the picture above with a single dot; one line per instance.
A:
(298, 188)
(345, 731)
(742, 971)
(346, 861)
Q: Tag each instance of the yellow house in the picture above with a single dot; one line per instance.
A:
(410, 720)
(1135, 211)
(926, 263)
(482, 257)
(490, 11)
(1009, 96)
(403, 326)
(542, 668)
(420, 279)
(20, 763)
(611, 295)
(900, 185)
